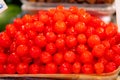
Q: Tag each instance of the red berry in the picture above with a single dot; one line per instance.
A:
(59, 16)
(22, 68)
(103, 60)
(58, 58)
(110, 67)
(60, 27)
(38, 26)
(4, 40)
(116, 48)
(81, 48)
(71, 41)
(71, 31)
(11, 30)
(2, 69)
(40, 40)
(73, 9)
(34, 69)
(81, 38)
(20, 38)
(65, 68)
(109, 54)
(22, 50)
(98, 50)
(100, 32)
(26, 18)
(13, 58)
(51, 48)
(35, 52)
(93, 40)
(80, 27)
(10, 69)
(51, 68)
(87, 69)
(70, 56)
(111, 29)
(86, 57)
(72, 19)
(90, 31)
(99, 67)
(60, 43)
(46, 57)
(3, 58)
(76, 67)
(43, 17)
(51, 36)
(116, 59)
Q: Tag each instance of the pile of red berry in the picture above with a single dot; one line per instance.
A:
(59, 41)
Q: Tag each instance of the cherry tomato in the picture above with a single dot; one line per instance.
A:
(26, 18)
(3, 58)
(10, 69)
(71, 41)
(22, 68)
(22, 50)
(5, 40)
(20, 38)
(43, 17)
(70, 56)
(116, 48)
(59, 16)
(86, 57)
(87, 69)
(76, 67)
(60, 27)
(73, 9)
(2, 69)
(38, 26)
(116, 59)
(40, 40)
(35, 52)
(13, 58)
(111, 30)
(60, 43)
(51, 48)
(109, 54)
(99, 67)
(51, 68)
(81, 48)
(100, 31)
(110, 67)
(46, 57)
(51, 36)
(34, 69)
(71, 31)
(72, 19)
(80, 27)
(65, 68)
(58, 58)
(90, 31)
(81, 38)
(98, 50)
(93, 40)
(11, 30)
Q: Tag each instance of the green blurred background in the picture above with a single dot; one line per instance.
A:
(13, 11)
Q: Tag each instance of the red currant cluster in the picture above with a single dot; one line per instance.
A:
(59, 41)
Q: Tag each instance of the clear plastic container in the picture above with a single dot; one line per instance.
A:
(105, 76)
(104, 11)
